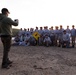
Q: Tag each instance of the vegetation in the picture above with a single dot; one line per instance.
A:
(15, 31)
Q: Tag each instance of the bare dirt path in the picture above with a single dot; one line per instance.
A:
(40, 60)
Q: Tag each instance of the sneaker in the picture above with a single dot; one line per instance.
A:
(5, 67)
(9, 62)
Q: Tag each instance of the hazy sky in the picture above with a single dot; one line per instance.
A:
(32, 13)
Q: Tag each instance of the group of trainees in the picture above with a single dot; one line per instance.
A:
(59, 36)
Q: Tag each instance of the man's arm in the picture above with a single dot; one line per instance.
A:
(11, 22)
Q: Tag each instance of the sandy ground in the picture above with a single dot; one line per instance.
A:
(40, 60)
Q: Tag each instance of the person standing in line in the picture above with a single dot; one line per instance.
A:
(41, 32)
(60, 34)
(56, 31)
(37, 30)
(52, 36)
(73, 35)
(68, 30)
(6, 35)
(20, 32)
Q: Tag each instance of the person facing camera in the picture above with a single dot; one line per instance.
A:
(65, 40)
(47, 41)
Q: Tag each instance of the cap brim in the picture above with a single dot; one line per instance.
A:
(8, 12)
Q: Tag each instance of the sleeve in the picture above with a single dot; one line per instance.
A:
(11, 22)
(75, 32)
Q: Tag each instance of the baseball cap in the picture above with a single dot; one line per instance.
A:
(5, 10)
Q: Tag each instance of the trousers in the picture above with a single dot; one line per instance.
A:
(6, 40)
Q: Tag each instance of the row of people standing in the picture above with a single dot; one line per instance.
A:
(51, 36)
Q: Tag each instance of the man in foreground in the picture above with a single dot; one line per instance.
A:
(6, 35)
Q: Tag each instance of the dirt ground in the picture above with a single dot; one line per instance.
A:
(40, 60)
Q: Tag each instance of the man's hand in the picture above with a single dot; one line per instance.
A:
(16, 20)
